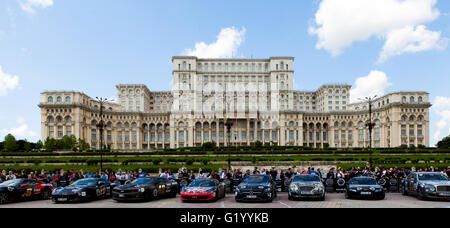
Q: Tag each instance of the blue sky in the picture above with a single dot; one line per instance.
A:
(91, 46)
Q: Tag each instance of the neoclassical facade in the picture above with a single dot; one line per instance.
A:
(255, 95)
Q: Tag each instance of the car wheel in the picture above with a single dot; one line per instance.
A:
(290, 197)
(421, 196)
(4, 198)
(404, 192)
(46, 194)
(173, 194)
(322, 198)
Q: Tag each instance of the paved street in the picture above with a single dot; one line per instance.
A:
(393, 200)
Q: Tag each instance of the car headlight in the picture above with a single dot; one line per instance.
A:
(294, 187)
(76, 189)
(353, 189)
(82, 194)
(10, 188)
(430, 188)
(372, 188)
(238, 189)
(318, 187)
(142, 190)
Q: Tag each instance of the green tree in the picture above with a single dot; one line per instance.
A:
(50, 144)
(10, 144)
(82, 145)
(27, 146)
(444, 143)
(39, 145)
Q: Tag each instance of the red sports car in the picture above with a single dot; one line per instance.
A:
(203, 190)
(24, 189)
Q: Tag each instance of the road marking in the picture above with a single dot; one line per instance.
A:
(284, 204)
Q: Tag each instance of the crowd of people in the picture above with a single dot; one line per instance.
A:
(120, 177)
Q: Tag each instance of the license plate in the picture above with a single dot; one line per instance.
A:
(306, 193)
(62, 199)
(444, 194)
(366, 193)
(251, 197)
(121, 195)
(194, 197)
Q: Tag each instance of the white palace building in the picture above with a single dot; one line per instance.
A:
(255, 95)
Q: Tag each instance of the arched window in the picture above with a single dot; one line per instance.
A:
(119, 125)
(403, 99)
(67, 99)
(350, 124)
(127, 125)
(198, 125)
(420, 118)
(181, 124)
(51, 119)
(291, 124)
(58, 99)
(343, 124)
(361, 124)
(336, 124)
(404, 118)
(68, 119)
(377, 122)
(50, 99)
(59, 119)
(412, 99)
(133, 125)
(93, 123)
(412, 118)
(420, 99)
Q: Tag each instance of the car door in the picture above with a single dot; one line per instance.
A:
(102, 190)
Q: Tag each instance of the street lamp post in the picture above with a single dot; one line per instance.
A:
(229, 125)
(370, 125)
(100, 126)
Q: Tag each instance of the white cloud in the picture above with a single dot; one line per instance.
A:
(228, 42)
(373, 84)
(7, 82)
(411, 40)
(30, 6)
(22, 131)
(441, 108)
(340, 23)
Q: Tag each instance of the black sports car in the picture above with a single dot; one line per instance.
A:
(145, 189)
(24, 189)
(82, 190)
(256, 188)
(203, 190)
(364, 187)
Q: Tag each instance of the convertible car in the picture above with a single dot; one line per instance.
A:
(24, 189)
(82, 190)
(147, 188)
(203, 190)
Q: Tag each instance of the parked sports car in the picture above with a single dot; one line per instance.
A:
(24, 189)
(147, 188)
(203, 190)
(427, 185)
(82, 190)
(256, 188)
(306, 186)
(364, 187)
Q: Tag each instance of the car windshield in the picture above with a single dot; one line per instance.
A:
(10, 183)
(306, 178)
(363, 181)
(143, 181)
(432, 177)
(84, 182)
(202, 183)
(256, 179)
